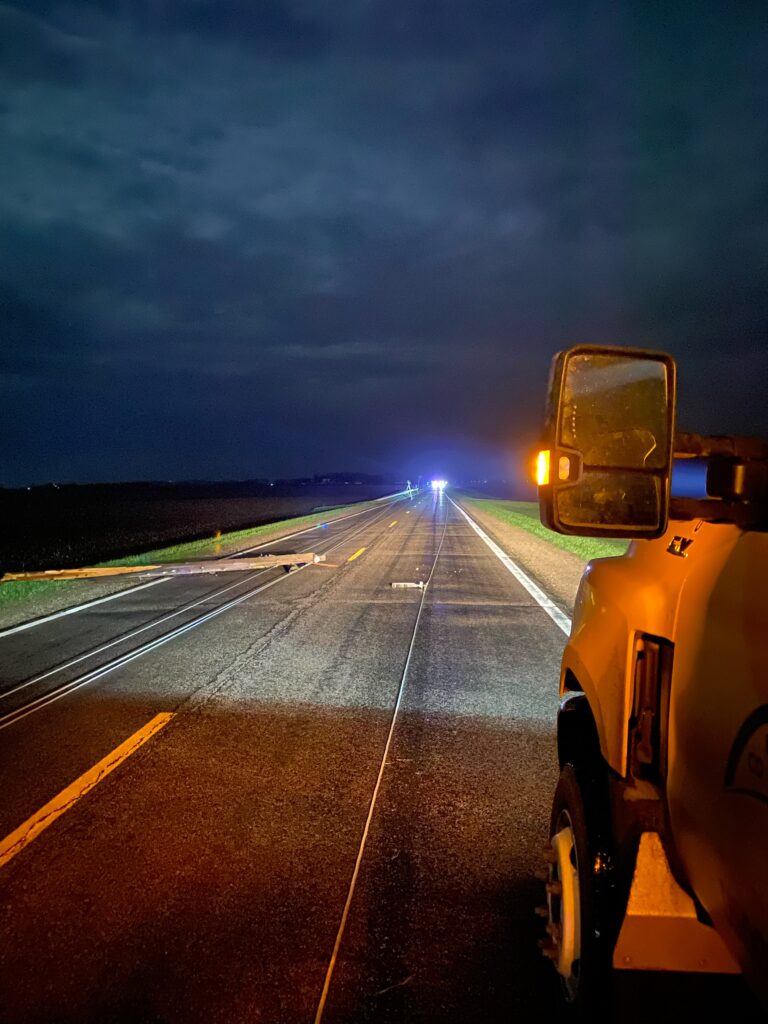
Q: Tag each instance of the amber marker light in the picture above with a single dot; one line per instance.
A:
(542, 468)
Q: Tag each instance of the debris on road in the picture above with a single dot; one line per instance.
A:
(216, 565)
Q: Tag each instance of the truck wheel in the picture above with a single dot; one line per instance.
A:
(578, 894)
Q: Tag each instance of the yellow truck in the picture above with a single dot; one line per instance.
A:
(658, 856)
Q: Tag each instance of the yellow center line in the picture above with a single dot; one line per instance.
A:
(392, 523)
(356, 555)
(40, 820)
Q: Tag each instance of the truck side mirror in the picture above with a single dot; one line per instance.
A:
(607, 465)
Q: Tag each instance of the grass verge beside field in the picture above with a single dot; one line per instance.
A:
(525, 515)
(207, 547)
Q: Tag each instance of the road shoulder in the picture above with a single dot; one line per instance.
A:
(556, 571)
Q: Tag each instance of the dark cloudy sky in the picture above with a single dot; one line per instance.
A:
(272, 237)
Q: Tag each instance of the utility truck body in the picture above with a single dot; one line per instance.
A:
(659, 828)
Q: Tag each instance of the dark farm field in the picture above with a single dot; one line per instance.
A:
(59, 527)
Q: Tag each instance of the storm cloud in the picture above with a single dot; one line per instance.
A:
(252, 239)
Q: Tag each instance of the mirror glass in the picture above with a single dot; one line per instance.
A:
(611, 499)
(614, 411)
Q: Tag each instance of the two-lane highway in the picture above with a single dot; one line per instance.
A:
(338, 816)
(64, 654)
(54, 673)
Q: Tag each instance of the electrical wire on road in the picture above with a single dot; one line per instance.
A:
(375, 795)
(154, 623)
(124, 637)
(72, 685)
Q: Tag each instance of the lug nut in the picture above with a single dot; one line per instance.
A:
(554, 888)
(549, 855)
(554, 930)
(547, 949)
(542, 910)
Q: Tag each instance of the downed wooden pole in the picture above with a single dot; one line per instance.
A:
(214, 565)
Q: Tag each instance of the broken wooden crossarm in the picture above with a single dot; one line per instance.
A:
(214, 565)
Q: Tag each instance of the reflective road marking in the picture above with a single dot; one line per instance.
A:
(40, 820)
(523, 578)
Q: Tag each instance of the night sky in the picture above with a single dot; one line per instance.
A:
(249, 238)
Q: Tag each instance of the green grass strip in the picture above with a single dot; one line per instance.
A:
(207, 546)
(10, 593)
(525, 515)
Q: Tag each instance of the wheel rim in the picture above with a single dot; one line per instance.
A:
(564, 904)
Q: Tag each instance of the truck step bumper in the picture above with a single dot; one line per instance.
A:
(661, 931)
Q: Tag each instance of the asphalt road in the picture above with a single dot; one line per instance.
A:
(339, 817)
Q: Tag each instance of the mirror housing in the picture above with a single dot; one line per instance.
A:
(609, 437)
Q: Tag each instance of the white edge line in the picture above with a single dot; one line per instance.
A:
(153, 583)
(76, 608)
(149, 625)
(102, 670)
(126, 636)
(558, 617)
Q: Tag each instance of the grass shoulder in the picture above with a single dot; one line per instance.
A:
(525, 516)
(207, 547)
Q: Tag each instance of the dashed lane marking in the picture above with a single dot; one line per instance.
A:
(356, 555)
(21, 837)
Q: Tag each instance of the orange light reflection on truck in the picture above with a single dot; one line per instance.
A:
(542, 468)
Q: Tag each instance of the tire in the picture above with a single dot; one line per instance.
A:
(581, 924)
